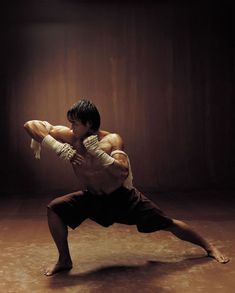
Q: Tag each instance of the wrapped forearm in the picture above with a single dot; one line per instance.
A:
(128, 183)
(63, 150)
(91, 144)
(113, 166)
(35, 145)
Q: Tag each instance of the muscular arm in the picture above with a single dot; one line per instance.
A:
(38, 129)
(121, 161)
(57, 138)
(116, 164)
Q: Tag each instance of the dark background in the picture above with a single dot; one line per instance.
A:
(161, 74)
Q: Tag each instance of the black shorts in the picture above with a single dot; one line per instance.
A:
(123, 206)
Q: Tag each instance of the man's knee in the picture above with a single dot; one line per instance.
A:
(63, 200)
(52, 204)
(177, 225)
(172, 226)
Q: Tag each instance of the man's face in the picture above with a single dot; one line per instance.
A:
(80, 130)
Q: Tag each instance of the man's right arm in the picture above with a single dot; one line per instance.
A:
(57, 138)
(38, 129)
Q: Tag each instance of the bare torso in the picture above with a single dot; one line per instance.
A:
(90, 174)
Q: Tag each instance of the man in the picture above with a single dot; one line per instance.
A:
(107, 195)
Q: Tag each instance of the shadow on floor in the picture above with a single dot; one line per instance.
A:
(129, 278)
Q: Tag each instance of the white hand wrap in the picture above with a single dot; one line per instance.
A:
(63, 150)
(128, 183)
(36, 147)
(91, 143)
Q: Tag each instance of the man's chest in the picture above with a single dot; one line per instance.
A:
(103, 145)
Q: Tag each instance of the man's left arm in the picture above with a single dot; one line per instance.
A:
(121, 160)
(117, 163)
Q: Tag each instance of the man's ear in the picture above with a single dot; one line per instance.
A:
(90, 124)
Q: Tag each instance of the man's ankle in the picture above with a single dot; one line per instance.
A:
(65, 259)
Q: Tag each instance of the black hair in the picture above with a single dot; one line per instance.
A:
(85, 111)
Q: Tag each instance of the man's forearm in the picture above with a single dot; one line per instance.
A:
(118, 170)
(37, 129)
(63, 150)
(115, 167)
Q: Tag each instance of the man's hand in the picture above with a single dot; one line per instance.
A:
(118, 166)
(77, 159)
(91, 143)
(63, 150)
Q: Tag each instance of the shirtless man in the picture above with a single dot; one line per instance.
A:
(107, 195)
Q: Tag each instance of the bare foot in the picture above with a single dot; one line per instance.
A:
(58, 267)
(217, 255)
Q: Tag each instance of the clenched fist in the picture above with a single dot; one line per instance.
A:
(91, 143)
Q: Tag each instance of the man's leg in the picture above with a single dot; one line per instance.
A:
(59, 232)
(184, 232)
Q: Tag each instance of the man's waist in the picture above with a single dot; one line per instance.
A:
(105, 191)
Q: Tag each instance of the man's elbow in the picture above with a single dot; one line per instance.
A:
(119, 170)
(32, 129)
(28, 125)
(125, 173)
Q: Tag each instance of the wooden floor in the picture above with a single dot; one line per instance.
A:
(118, 258)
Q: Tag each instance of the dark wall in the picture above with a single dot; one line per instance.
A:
(161, 74)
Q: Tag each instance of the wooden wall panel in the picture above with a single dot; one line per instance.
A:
(162, 75)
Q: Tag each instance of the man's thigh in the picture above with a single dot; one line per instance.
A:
(72, 208)
(145, 214)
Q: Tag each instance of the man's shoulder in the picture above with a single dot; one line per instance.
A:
(112, 136)
(62, 133)
(115, 140)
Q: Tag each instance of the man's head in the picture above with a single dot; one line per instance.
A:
(85, 112)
